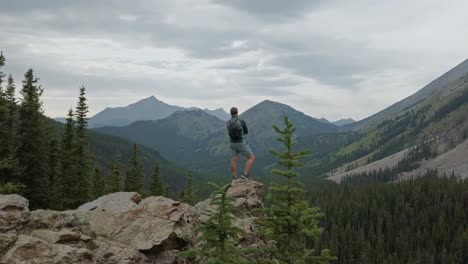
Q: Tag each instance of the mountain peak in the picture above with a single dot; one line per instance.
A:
(343, 122)
(272, 104)
(151, 99)
(269, 102)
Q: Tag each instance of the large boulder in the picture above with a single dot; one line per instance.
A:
(111, 252)
(152, 225)
(33, 250)
(49, 219)
(118, 228)
(14, 211)
(247, 196)
(7, 239)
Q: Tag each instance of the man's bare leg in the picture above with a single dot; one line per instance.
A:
(234, 166)
(248, 164)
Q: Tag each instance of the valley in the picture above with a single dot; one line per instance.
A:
(435, 116)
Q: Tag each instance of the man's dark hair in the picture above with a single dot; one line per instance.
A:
(234, 111)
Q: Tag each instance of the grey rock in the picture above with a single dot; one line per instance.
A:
(32, 250)
(49, 219)
(7, 239)
(118, 228)
(28, 250)
(14, 211)
(54, 237)
(156, 224)
(111, 252)
(114, 203)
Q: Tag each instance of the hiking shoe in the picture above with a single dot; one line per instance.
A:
(246, 176)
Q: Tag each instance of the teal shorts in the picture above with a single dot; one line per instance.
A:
(240, 148)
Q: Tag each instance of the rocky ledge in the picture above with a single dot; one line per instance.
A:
(115, 228)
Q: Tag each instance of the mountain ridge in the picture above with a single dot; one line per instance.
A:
(149, 108)
(434, 87)
(343, 122)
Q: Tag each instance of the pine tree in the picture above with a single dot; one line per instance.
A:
(187, 195)
(9, 164)
(218, 235)
(2, 63)
(11, 118)
(98, 184)
(116, 180)
(54, 174)
(81, 152)
(68, 166)
(289, 220)
(4, 165)
(166, 191)
(135, 176)
(33, 145)
(157, 188)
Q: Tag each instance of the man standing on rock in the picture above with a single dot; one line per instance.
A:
(237, 129)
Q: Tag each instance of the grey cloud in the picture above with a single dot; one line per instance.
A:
(273, 9)
(280, 31)
(335, 72)
(101, 20)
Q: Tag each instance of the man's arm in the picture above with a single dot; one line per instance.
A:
(244, 127)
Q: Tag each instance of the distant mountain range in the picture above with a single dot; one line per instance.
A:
(343, 122)
(340, 122)
(146, 109)
(197, 140)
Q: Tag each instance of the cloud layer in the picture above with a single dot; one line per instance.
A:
(330, 59)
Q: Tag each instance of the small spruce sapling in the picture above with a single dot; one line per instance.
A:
(218, 235)
(289, 221)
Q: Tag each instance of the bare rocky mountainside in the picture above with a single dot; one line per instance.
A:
(429, 134)
(116, 228)
(438, 86)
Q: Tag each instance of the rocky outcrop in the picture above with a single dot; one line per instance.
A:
(14, 212)
(116, 228)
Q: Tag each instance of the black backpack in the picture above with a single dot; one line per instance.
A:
(235, 129)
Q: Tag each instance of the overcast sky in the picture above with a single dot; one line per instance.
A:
(327, 58)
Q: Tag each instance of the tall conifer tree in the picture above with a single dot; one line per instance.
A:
(81, 155)
(54, 174)
(3, 115)
(135, 176)
(11, 128)
(68, 166)
(8, 162)
(156, 187)
(290, 221)
(187, 195)
(116, 180)
(4, 165)
(9, 165)
(2, 63)
(98, 184)
(12, 116)
(33, 145)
